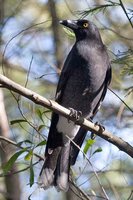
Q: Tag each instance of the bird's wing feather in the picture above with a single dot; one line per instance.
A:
(66, 72)
(54, 139)
(106, 83)
(56, 165)
(79, 138)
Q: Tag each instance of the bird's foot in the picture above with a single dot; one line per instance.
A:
(76, 115)
(102, 128)
(93, 136)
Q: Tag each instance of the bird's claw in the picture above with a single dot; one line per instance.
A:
(102, 128)
(93, 136)
(76, 115)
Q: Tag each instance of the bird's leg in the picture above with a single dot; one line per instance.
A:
(76, 115)
(102, 128)
(93, 136)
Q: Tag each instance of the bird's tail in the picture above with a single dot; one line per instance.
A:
(56, 167)
(79, 138)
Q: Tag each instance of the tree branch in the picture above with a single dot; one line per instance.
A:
(78, 191)
(38, 99)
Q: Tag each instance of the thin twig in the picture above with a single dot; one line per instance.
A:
(27, 78)
(9, 141)
(20, 32)
(130, 196)
(121, 100)
(18, 171)
(81, 194)
(96, 175)
(122, 5)
(24, 117)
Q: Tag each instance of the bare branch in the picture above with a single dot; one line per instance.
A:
(78, 191)
(38, 99)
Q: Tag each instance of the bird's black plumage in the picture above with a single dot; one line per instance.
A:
(82, 86)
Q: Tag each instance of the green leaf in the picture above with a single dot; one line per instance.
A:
(97, 150)
(17, 121)
(40, 127)
(29, 155)
(24, 141)
(41, 143)
(40, 114)
(31, 174)
(46, 111)
(88, 144)
(12, 160)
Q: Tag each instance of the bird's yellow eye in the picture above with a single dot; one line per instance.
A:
(85, 25)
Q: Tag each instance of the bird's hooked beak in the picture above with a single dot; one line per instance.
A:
(72, 24)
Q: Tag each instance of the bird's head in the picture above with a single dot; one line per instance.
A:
(83, 29)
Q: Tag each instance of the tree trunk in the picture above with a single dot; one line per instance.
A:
(56, 33)
(11, 181)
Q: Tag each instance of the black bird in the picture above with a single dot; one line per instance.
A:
(82, 86)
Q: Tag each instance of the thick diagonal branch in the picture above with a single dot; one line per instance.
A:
(38, 99)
